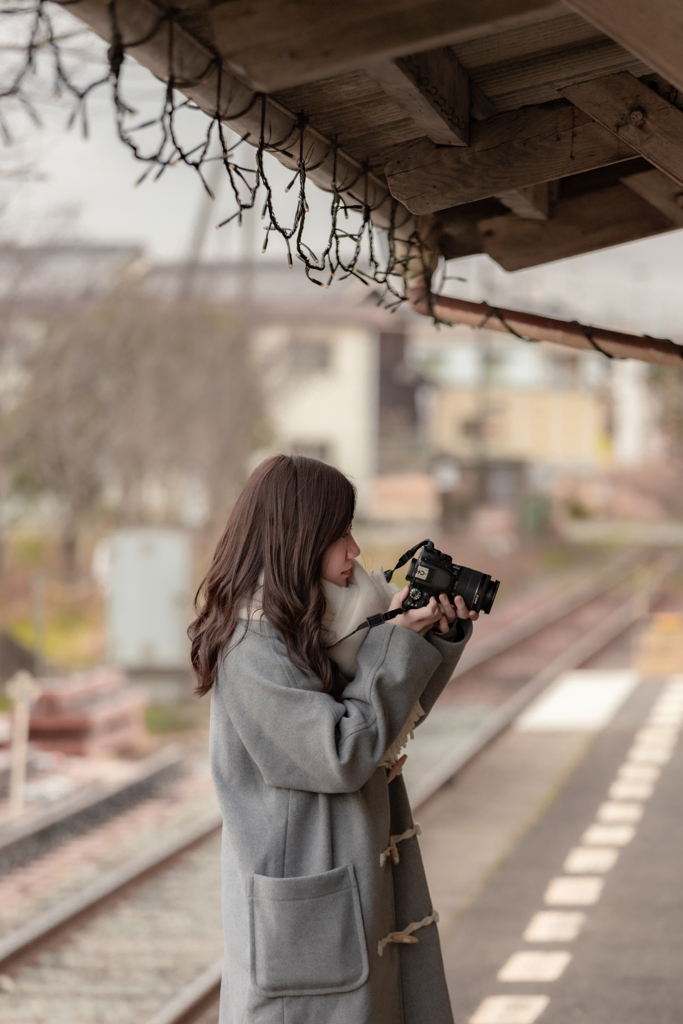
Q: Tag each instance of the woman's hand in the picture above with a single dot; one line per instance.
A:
(440, 614)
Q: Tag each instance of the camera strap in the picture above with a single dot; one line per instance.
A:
(377, 620)
(388, 573)
(372, 620)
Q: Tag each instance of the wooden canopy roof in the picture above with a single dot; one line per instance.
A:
(527, 129)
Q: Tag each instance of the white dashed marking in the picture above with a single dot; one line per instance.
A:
(657, 734)
(666, 717)
(573, 892)
(535, 965)
(585, 699)
(572, 703)
(510, 1010)
(639, 772)
(631, 790)
(608, 835)
(650, 755)
(613, 813)
(669, 702)
(590, 859)
(554, 926)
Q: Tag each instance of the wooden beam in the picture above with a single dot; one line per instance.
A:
(659, 191)
(481, 106)
(637, 115)
(510, 151)
(457, 229)
(277, 44)
(530, 203)
(651, 29)
(436, 91)
(433, 88)
(579, 224)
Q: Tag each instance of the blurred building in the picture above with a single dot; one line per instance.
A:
(335, 367)
(505, 419)
(493, 399)
(408, 411)
(317, 353)
(41, 276)
(320, 377)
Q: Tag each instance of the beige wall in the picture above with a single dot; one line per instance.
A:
(562, 427)
(333, 407)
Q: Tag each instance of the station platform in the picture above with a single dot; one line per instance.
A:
(556, 861)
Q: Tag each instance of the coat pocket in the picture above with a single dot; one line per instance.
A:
(306, 934)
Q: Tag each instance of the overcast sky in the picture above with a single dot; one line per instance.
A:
(86, 188)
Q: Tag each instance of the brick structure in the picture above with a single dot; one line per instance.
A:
(88, 713)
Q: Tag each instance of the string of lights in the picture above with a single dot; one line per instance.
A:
(353, 246)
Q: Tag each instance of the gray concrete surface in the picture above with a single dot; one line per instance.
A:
(470, 827)
(626, 964)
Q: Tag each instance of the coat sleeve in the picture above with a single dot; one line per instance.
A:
(301, 738)
(450, 646)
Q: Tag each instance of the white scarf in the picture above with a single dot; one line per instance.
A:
(346, 607)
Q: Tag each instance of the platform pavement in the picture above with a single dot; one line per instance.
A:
(622, 894)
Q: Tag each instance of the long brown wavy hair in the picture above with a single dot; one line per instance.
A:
(289, 513)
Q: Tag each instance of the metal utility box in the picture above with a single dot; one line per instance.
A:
(149, 599)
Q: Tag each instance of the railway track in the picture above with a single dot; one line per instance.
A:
(33, 833)
(124, 945)
(500, 680)
(134, 946)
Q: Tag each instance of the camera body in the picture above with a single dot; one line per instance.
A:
(433, 573)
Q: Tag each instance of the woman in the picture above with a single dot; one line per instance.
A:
(326, 912)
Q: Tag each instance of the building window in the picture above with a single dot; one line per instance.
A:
(309, 356)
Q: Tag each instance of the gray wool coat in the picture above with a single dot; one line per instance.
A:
(307, 813)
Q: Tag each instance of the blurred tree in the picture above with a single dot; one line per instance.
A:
(144, 407)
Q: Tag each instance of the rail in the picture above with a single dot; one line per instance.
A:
(44, 926)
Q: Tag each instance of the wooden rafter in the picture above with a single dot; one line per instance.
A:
(274, 45)
(578, 224)
(506, 152)
(660, 191)
(530, 203)
(637, 115)
(651, 29)
(433, 88)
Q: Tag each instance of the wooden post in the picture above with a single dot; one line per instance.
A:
(23, 690)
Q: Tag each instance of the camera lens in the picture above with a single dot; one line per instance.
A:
(477, 590)
(489, 595)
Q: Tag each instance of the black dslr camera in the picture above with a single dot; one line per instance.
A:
(434, 573)
(431, 574)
